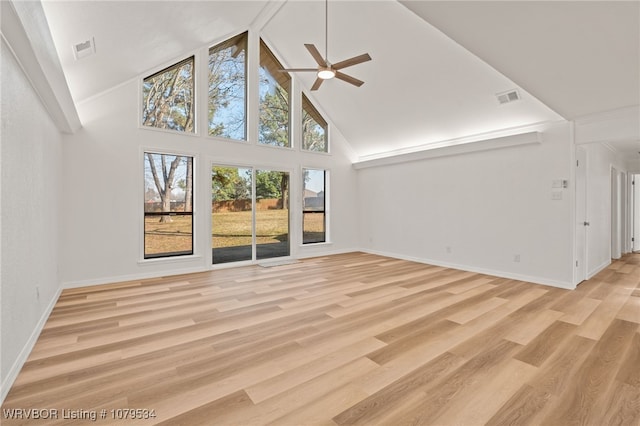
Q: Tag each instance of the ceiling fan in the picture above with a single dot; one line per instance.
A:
(326, 70)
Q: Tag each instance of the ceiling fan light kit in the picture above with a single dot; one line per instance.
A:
(325, 70)
(326, 74)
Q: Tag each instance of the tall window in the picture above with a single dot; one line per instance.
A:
(314, 128)
(228, 88)
(168, 98)
(168, 205)
(275, 87)
(314, 217)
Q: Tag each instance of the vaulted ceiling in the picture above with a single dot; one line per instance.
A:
(436, 66)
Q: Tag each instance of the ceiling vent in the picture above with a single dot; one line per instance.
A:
(506, 97)
(84, 49)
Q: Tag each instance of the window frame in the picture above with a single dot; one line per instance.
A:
(324, 211)
(247, 77)
(169, 255)
(193, 57)
(326, 126)
(270, 55)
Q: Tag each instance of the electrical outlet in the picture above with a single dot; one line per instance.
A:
(516, 258)
(37, 293)
(449, 249)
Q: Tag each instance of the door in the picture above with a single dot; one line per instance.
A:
(231, 214)
(635, 183)
(582, 224)
(249, 214)
(272, 214)
(615, 214)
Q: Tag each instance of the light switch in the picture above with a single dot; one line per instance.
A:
(556, 195)
(556, 183)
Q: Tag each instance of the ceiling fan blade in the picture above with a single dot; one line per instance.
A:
(316, 55)
(353, 61)
(348, 79)
(299, 70)
(317, 84)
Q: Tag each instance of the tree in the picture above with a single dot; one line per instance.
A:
(187, 185)
(313, 134)
(273, 184)
(227, 88)
(165, 186)
(168, 98)
(227, 183)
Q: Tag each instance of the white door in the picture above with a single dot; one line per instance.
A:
(636, 212)
(581, 215)
(615, 214)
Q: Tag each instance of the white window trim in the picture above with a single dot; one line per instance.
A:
(141, 192)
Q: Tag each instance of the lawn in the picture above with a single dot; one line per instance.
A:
(229, 229)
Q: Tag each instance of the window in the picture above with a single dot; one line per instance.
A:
(168, 205)
(314, 218)
(168, 98)
(275, 87)
(314, 128)
(228, 88)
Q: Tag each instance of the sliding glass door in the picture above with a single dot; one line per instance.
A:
(231, 214)
(272, 214)
(249, 214)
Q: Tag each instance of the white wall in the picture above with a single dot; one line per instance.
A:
(103, 180)
(30, 161)
(486, 207)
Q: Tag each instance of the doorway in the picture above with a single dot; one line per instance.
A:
(249, 214)
(635, 212)
(616, 209)
(582, 223)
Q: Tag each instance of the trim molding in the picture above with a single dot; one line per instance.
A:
(500, 274)
(598, 269)
(131, 277)
(453, 148)
(26, 350)
(181, 271)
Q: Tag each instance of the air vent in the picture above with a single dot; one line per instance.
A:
(84, 49)
(506, 97)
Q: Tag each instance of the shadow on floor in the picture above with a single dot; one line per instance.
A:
(238, 253)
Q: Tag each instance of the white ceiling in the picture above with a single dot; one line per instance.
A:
(421, 87)
(133, 37)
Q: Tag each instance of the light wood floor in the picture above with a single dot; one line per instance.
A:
(347, 339)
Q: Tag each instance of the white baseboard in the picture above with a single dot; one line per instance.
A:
(150, 275)
(598, 269)
(310, 254)
(131, 277)
(7, 381)
(500, 274)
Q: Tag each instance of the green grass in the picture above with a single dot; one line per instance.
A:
(229, 229)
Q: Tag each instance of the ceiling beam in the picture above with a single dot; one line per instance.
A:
(25, 31)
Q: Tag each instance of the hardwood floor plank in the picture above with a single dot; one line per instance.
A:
(479, 401)
(204, 414)
(295, 376)
(622, 406)
(629, 371)
(545, 344)
(587, 391)
(354, 338)
(523, 408)
(370, 409)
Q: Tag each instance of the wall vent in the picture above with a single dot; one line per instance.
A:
(84, 49)
(506, 97)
